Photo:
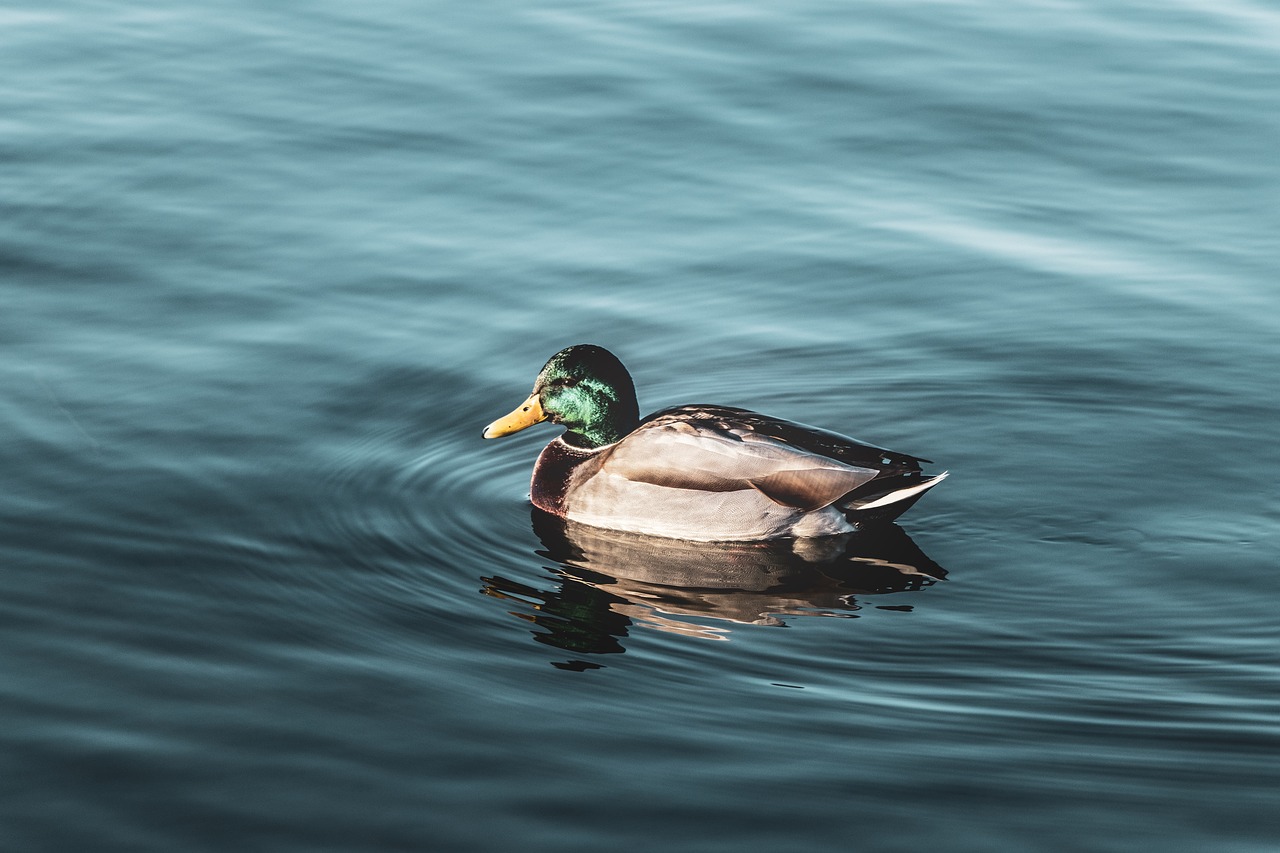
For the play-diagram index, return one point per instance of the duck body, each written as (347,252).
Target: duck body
(707,472)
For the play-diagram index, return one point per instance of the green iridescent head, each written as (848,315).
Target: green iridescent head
(585,389)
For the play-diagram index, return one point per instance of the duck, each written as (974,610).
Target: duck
(699,472)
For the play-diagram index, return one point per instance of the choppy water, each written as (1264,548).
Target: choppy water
(266,272)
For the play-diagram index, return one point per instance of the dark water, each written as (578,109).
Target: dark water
(265,274)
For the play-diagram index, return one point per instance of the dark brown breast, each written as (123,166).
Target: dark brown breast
(558,467)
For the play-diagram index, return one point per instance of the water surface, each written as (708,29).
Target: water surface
(266,274)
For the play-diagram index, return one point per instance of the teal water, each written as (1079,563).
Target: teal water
(266,273)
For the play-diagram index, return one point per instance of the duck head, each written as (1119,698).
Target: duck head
(585,389)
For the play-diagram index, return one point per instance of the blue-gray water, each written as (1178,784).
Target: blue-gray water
(267,272)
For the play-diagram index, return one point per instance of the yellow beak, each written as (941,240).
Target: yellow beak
(526,415)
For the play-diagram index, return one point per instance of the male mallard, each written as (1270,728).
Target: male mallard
(710,473)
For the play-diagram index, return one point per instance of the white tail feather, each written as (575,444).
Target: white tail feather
(903,494)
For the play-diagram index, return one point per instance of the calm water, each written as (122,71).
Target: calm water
(266,274)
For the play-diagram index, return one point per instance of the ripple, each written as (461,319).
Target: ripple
(381,528)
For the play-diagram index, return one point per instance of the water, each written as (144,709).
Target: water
(267,273)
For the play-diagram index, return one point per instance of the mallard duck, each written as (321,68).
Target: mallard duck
(699,472)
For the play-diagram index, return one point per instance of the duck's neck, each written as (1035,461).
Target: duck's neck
(602,432)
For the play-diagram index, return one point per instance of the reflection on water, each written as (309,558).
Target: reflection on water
(606,581)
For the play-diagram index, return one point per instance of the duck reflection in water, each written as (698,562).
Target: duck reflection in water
(609,580)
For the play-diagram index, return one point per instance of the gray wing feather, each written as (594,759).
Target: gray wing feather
(708,457)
